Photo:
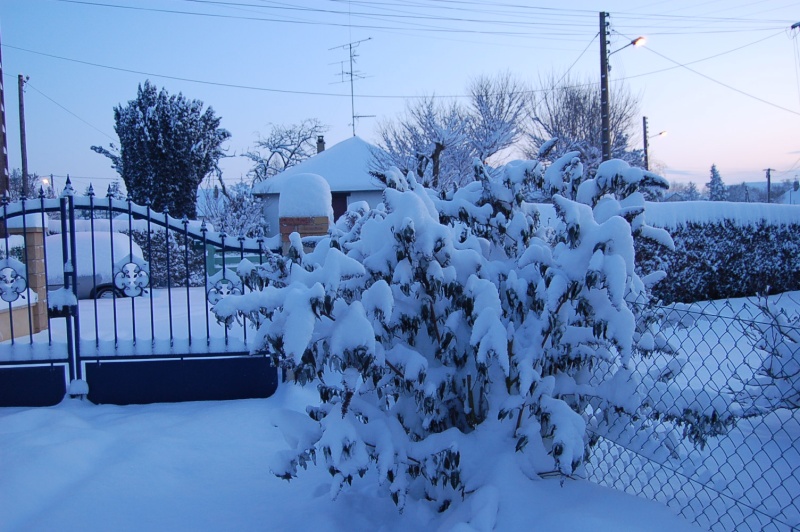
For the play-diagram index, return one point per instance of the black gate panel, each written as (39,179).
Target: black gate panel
(32,385)
(171,381)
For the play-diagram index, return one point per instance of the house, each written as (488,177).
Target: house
(345,166)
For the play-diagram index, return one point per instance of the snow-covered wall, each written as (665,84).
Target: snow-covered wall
(674,214)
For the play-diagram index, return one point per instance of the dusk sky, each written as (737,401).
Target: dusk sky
(721,76)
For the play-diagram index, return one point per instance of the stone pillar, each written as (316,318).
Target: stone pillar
(37,278)
(304,207)
(305,225)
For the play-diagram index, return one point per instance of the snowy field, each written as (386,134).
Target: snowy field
(205,466)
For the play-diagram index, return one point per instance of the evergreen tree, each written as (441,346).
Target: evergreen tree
(716,188)
(691,192)
(168,145)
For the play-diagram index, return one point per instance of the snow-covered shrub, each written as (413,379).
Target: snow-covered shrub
(429,322)
(776,384)
(724,259)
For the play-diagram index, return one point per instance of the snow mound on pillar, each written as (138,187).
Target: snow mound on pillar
(305,195)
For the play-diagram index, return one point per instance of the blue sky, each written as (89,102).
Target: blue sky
(259,62)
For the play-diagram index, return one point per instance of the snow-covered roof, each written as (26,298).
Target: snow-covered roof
(345,166)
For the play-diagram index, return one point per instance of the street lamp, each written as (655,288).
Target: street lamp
(604,68)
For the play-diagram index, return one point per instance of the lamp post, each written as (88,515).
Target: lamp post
(605,122)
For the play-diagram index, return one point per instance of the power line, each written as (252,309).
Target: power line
(178,78)
(743,93)
(28,84)
(307,22)
(685,65)
(726,52)
(415,16)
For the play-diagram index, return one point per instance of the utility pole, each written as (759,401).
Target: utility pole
(646,136)
(23,144)
(769,182)
(605,124)
(4,184)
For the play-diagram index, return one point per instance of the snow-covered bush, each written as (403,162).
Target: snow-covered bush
(776,384)
(724,259)
(430,322)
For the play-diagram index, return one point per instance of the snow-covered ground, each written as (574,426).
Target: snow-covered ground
(205,466)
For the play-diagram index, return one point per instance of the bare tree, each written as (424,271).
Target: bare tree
(34,186)
(498,112)
(569,110)
(237,212)
(438,139)
(284,147)
(429,140)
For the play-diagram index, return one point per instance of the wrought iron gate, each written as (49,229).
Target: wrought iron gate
(106,298)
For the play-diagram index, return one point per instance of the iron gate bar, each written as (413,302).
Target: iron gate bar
(150,258)
(185,222)
(113,292)
(204,230)
(69,193)
(130,256)
(222,236)
(241,258)
(44,254)
(8,254)
(169,277)
(94,266)
(65,259)
(27,267)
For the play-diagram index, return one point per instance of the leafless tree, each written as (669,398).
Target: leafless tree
(285,146)
(438,139)
(34,186)
(236,212)
(569,109)
(498,112)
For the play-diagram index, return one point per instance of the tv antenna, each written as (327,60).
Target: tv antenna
(352,75)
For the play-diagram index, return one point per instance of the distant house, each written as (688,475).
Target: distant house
(345,166)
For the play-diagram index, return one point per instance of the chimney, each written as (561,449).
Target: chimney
(320,143)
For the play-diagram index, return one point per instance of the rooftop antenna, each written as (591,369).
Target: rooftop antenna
(352,75)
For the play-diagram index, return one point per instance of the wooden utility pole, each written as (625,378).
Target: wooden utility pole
(769,182)
(605,122)
(22,142)
(646,136)
(4,181)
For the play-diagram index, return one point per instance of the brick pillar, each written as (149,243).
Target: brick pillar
(305,225)
(37,279)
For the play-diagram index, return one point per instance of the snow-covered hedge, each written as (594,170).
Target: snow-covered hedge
(724,250)
(433,326)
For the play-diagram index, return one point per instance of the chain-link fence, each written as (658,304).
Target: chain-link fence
(735,375)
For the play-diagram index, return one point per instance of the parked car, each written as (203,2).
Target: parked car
(102,285)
